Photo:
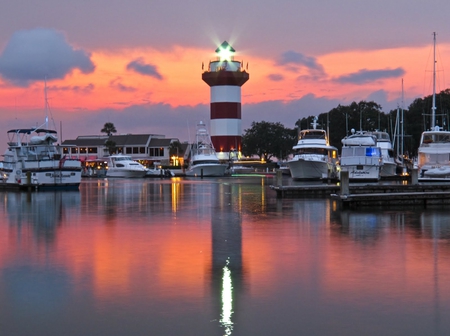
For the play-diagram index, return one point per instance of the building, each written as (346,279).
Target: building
(148,149)
(225,76)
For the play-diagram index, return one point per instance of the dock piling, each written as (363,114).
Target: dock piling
(345,187)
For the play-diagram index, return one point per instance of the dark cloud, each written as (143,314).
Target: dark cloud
(139,66)
(292,58)
(33,55)
(75,88)
(275,77)
(364,76)
(116,84)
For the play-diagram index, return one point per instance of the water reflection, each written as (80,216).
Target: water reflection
(217,257)
(227,268)
(42,212)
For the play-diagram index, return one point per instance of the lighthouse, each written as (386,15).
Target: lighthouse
(225,77)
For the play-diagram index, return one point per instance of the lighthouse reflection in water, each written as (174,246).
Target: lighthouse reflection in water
(226,226)
(217,257)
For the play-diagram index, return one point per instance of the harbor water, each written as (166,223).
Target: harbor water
(218,256)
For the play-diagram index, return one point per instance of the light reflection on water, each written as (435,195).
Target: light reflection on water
(217,257)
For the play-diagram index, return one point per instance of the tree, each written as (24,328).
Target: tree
(267,140)
(109,128)
(175,148)
(111,145)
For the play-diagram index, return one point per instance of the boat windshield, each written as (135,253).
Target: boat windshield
(123,158)
(312,134)
(197,162)
(436,137)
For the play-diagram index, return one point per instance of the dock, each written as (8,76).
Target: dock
(353,195)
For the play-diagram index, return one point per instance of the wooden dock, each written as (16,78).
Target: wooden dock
(358,194)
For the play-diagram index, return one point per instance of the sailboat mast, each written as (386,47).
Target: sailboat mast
(46,103)
(402,127)
(433,108)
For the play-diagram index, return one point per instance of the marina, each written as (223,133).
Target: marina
(141,256)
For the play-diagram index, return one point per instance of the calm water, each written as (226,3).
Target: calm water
(217,257)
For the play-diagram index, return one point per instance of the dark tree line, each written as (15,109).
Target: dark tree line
(268,140)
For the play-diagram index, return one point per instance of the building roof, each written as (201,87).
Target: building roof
(150,140)
(157,142)
(133,139)
(87,141)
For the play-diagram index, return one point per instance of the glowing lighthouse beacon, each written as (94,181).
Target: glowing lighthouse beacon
(225,76)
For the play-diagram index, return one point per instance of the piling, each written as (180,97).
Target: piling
(279,178)
(345,183)
(414,176)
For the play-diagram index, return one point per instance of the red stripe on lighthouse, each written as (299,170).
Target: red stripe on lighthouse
(225,110)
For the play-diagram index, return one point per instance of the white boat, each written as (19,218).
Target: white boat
(33,159)
(434,149)
(159,172)
(314,158)
(204,161)
(390,165)
(241,169)
(120,165)
(361,157)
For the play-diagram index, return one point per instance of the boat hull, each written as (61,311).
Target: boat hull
(207,170)
(302,169)
(388,169)
(125,173)
(362,172)
(48,174)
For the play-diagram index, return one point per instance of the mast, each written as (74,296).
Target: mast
(402,150)
(433,108)
(46,103)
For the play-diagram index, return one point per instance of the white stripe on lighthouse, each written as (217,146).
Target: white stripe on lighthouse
(226,127)
(225,93)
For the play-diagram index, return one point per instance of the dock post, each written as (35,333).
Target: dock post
(414,176)
(345,189)
(279,178)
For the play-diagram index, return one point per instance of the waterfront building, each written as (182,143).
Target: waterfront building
(147,149)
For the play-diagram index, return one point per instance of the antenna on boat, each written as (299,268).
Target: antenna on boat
(433,108)
(46,102)
(402,150)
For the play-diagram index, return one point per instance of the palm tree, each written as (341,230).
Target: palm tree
(109,128)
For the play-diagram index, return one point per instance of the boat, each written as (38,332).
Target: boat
(390,165)
(240,169)
(158,172)
(204,161)
(361,156)
(34,160)
(434,149)
(314,158)
(120,165)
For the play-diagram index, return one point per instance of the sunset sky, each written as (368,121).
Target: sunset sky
(138,63)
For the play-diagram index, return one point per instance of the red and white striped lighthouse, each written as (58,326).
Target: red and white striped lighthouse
(225,76)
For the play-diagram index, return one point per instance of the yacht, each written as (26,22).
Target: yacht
(434,149)
(313,158)
(361,157)
(33,159)
(433,155)
(204,161)
(120,165)
(389,168)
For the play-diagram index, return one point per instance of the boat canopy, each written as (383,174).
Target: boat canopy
(31,130)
